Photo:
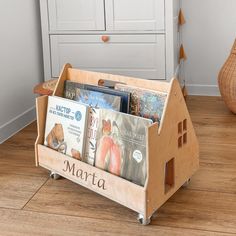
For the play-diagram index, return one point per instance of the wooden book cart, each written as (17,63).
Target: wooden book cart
(172,149)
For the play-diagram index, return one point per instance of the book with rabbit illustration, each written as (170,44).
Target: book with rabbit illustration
(66,124)
(121,145)
(70,88)
(145,103)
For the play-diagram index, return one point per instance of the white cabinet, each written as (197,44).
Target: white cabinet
(132,55)
(76,15)
(129,37)
(134,15)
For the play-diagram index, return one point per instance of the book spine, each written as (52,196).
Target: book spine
(85,132)
(92,125)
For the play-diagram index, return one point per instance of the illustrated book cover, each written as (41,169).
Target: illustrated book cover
(70,89)
(66,126)
(98,99)
(121,145)
(70,93)
(145,103)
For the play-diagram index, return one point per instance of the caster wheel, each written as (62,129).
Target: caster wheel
(54,175)
(186,184)
(144,221)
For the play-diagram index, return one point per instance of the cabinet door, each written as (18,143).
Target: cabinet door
(141,56)
(76,15)
(135,15)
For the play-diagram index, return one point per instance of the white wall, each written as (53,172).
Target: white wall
(21,65)
(208,37)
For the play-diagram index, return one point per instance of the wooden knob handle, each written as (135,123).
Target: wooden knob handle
(105,38)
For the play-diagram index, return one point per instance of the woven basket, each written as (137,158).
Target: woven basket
(227,80)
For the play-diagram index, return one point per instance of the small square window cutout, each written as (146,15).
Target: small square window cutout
(180,128)
(180,142)
(185,138)
(185,125)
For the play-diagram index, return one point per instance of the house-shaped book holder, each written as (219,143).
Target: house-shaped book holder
(172,149)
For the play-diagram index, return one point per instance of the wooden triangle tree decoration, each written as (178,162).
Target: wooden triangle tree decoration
(182,20)
(182,54)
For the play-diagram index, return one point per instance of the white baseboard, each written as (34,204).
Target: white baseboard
(16,124)
(203,90)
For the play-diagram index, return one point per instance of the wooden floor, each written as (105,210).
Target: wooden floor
(33,204)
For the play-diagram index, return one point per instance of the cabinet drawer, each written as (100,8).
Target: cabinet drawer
(75,15)
(132,55)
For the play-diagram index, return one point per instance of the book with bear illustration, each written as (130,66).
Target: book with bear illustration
(144,102)
(66,125)
(121,145)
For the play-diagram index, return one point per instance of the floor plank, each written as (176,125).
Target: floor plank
(212,106)
(218,154)
(17,154)
(179,210)
(19,178)
(21,223)
(199,210)
(215,177)
(216,135)
(16,190)
(67,198)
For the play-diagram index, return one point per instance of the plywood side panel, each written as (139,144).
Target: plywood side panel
(41,109)
(164,146)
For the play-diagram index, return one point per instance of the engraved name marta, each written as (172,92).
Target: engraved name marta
(84,175)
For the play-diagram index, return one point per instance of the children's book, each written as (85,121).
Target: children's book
(66,126)
(121,145)
(145,103)
(98,99)
(125,96)
(70,93)
(70,89)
